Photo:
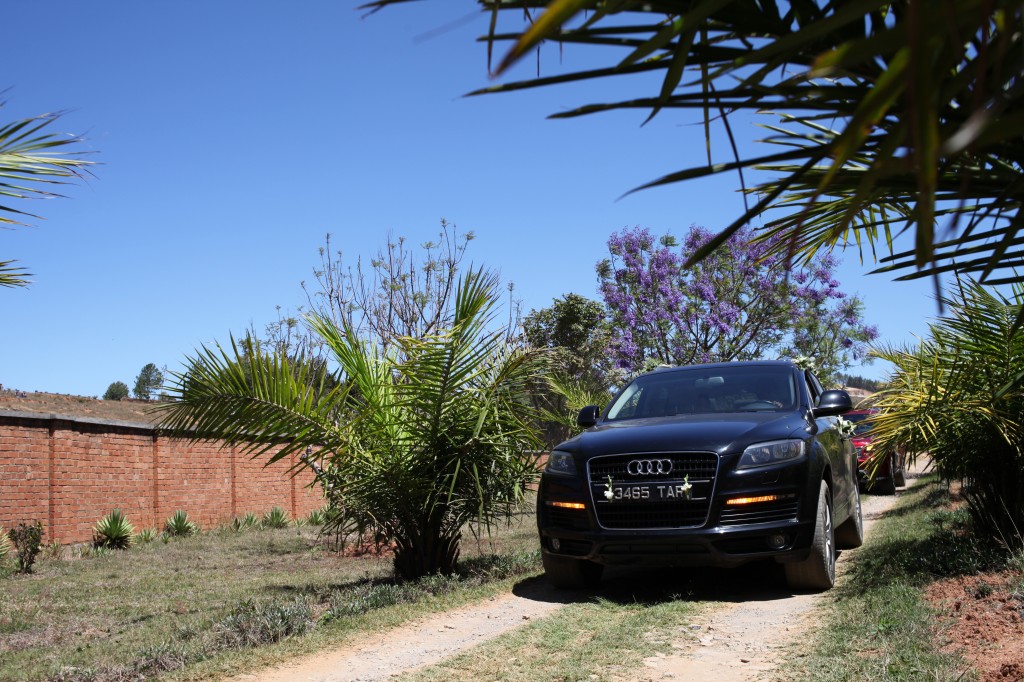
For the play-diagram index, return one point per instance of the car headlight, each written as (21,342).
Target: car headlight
(774,452)
(561,463)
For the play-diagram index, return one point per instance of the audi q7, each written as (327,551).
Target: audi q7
(712,465)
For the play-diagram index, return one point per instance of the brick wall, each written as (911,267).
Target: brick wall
(69,472)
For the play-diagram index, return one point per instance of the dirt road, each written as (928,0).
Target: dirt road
(739,641)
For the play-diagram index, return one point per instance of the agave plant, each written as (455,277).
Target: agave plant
(316,517)
(146,536)
(275,518)
(244,522)
(180,526)
(5,544)
(113,531)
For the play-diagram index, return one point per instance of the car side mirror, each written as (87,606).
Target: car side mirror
(588,416)
(832,403)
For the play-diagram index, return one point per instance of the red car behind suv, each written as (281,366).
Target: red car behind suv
(888,468)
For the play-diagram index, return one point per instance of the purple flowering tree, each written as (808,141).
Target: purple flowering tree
(828,324)
(739,303)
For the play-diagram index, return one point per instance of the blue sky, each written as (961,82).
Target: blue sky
(233,136)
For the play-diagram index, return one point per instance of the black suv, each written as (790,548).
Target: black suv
(706,465)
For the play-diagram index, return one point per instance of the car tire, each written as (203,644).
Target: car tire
(818,571)
(572,574)
(899,476)
(850,535)
(886,486)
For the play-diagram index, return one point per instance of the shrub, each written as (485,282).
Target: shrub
(5,544)
(116,391)
(370,597)
(113,531)
(145,536)
(240,523)
(180,526)
(253,624)
(276,518)
(95,552)
(958,395)
(316,517)
(28,540)
(54,550)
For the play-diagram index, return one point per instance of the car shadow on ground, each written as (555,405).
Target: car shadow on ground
(753,582)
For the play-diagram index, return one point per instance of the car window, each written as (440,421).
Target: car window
(861,420)
(702,391)
(814,388)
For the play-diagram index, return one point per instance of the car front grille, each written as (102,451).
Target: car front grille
(699,469)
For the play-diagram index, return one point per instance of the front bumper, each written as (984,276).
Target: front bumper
(775,520)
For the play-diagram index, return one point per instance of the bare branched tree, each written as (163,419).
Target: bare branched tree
(400,292)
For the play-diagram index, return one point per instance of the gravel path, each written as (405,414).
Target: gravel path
(417,644)
(739,641)
(743,640)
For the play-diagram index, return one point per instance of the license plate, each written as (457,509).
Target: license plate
(651,492)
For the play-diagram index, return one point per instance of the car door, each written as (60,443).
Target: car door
(841,455)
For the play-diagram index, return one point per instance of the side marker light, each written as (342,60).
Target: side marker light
(566,505)
(752,500)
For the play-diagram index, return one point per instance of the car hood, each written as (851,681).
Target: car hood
(721,433)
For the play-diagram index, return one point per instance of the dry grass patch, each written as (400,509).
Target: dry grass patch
(196,607)
(600,639)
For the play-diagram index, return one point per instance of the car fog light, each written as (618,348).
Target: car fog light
(777,541)
(556,544)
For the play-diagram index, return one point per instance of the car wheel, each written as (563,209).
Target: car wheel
(818,571)
(571,574)
(886,486)
(899,476)
(851,533)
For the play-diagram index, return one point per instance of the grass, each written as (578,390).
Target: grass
(876,625)
(230,602)
(139,411)
(224,601)
(597,639)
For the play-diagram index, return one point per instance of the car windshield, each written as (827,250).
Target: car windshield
(862,423)
(742,388)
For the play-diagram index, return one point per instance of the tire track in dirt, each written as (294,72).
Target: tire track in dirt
(740,640)
(414,645)
(744,640)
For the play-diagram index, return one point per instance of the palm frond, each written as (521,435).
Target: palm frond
(263,404)
(926,99)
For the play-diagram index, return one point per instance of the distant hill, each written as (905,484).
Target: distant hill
(858,394)
(78,406)
(134,410)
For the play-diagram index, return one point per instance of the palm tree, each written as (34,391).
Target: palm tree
(31,167)
(893,114)
(956,396)
(420,439)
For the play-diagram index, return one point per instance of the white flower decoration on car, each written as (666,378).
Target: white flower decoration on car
(609,494)
(687,487)
(806,362)
(845,427)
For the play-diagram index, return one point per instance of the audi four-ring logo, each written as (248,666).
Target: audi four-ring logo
(649,467)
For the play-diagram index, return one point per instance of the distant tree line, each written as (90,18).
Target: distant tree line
(864,383)
(149,380)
